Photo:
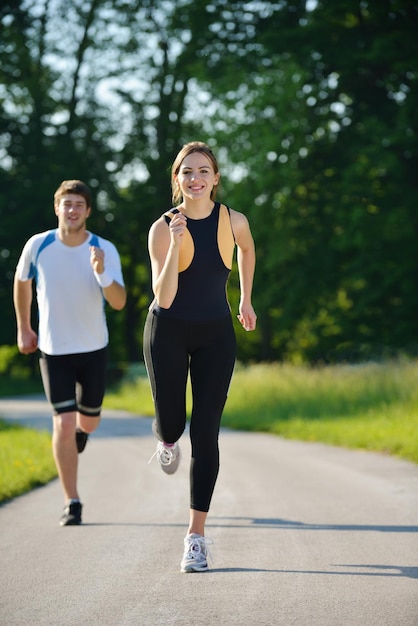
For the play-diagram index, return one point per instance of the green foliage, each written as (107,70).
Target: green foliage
(8,354)
(15,368)
(328,157)
(25,460)
(311,108)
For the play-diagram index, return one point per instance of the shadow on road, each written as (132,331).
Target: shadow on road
(397,571)
(293,525)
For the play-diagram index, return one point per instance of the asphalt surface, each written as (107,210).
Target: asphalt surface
(304,534)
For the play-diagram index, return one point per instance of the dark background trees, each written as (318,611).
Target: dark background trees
(312,110)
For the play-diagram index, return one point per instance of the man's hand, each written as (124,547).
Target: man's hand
(27,341)
(97,259)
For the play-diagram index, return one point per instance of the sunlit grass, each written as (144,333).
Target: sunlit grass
(25,460)
(373,406)
(133,396)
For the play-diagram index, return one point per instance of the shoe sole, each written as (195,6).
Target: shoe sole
(193,569)
(70,523)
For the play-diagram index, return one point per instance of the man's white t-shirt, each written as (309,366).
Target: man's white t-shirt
(70,301)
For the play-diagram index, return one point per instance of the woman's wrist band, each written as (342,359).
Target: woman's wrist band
(103,279)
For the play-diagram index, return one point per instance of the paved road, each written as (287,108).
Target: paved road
(304,535)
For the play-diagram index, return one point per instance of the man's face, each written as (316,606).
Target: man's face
(72,212)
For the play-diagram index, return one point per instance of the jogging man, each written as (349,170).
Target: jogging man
(75,273)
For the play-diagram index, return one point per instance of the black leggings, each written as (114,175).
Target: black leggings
(208,349)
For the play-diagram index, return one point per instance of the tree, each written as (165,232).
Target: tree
(328,161)
(41,142)
(311,108)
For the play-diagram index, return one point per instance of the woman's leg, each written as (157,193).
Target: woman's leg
(197,521)
(167,363)
(211,368)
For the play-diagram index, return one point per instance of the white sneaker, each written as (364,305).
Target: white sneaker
(168,456)
(195,554)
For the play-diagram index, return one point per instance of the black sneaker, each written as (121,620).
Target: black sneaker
(81,440)
(72,514)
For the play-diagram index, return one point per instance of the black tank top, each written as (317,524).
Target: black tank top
(201,293)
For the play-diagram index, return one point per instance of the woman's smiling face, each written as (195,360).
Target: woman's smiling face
(196,176)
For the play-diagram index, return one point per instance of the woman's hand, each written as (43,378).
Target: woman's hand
(247,317)
(177,228)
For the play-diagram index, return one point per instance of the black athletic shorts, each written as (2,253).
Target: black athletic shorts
(75,382)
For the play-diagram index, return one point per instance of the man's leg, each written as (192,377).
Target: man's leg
(90,389)
(65,453)
(65,450)
(66,460)
(85,426)
(58,377)
(61,376)
(87,423)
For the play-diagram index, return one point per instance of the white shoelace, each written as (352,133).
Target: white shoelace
(197,547)
(165,455)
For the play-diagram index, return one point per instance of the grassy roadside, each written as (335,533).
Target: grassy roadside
(371,406)
(25,460)
(25,454)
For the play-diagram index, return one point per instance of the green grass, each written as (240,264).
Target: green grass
(25,460)
(371,406)
(133,395)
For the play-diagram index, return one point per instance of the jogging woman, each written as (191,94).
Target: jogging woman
(189,326)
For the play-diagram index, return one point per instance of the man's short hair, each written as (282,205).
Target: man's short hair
(73,186)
